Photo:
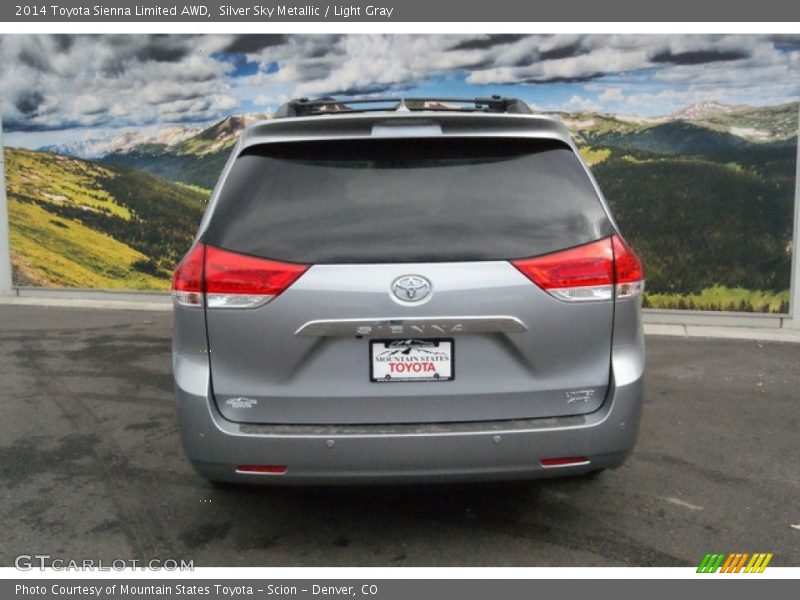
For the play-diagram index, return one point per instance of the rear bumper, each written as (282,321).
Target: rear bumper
(500,450)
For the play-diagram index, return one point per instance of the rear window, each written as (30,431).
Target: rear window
(409,200)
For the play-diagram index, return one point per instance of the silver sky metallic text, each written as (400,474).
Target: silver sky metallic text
(260,11)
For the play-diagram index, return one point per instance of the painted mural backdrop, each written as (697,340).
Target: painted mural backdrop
(112,143)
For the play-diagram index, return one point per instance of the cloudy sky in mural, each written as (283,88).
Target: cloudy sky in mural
(64,87)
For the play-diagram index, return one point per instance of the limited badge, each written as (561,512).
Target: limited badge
(241,402)
(579,396)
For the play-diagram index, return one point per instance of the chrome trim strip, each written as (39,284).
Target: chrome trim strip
(417,326)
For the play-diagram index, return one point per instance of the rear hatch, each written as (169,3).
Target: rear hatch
(390,252)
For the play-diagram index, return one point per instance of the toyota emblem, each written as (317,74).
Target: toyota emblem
(411,288)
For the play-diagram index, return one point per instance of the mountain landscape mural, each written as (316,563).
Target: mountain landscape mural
(694,148)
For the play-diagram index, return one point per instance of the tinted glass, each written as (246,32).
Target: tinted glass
(409,200)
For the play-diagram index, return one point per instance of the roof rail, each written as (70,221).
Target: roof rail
(304,107)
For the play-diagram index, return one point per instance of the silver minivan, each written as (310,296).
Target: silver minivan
(397,290)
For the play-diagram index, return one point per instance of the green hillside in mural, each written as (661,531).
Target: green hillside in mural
(80,224)
(706,199)
(705,196)
(699,225)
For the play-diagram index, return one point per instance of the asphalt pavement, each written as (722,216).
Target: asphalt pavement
(91,467)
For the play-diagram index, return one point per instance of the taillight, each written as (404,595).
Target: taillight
(628,270)
(187,282)
(239,281)
(588,272)
(231,280)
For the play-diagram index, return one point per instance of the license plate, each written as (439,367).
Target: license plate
(411,360)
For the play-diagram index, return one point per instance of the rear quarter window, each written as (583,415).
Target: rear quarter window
(406,200)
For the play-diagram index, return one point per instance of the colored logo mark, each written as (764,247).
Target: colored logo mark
(739,562)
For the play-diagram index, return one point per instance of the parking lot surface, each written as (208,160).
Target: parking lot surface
(91,467)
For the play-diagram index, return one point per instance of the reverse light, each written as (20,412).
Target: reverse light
(594,271)
(230,280)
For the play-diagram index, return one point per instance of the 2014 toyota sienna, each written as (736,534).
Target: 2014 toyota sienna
(394,290)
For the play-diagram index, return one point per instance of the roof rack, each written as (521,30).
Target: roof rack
(304,107)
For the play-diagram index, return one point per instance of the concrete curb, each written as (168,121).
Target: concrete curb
(145,304)
(717,318)
(760,334)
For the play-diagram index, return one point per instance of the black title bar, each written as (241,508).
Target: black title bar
(255,11)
